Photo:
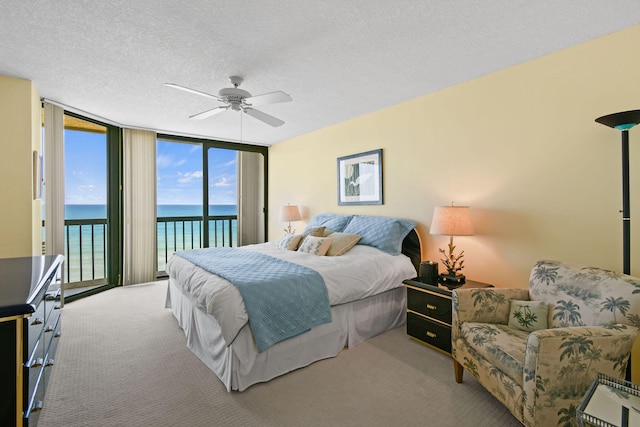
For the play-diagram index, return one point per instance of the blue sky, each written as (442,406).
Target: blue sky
(179,172)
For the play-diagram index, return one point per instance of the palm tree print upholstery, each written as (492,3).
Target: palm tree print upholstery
(593,319)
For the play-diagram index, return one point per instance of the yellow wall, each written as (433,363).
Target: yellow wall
(20,214)
(519,146)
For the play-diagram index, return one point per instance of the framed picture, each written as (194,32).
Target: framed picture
(360,179)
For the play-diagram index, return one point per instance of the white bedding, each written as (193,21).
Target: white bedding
(362,272)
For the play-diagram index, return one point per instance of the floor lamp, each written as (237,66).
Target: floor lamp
(624,121)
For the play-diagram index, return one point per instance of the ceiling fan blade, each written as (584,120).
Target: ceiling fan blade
(197,92)
(208,113)
(268,98)
(263,117)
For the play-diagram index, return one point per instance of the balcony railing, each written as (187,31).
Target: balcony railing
(186,232)
(85,251)
(86,240)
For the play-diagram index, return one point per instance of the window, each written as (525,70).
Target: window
(192,174)
(85,158)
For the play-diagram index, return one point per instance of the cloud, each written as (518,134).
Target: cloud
(222,182)
(185,178)
(163,161)
(88,187)
(166,161)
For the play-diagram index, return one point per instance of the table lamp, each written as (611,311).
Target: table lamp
(288,214)
(452,221)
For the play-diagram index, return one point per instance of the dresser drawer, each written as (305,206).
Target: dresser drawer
(34,364)
(35,397)
(430,332)
(430,304)
(39,374)
(51,303)
(35,324)
(52,338)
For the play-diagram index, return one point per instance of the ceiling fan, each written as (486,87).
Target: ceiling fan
(239,100)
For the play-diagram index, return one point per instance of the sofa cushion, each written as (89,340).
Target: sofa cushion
(503,345)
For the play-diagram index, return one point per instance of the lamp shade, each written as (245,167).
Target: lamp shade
(452,221)
(621,121)
(290,213)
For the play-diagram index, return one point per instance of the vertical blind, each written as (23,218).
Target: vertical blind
(54,179)
(139,205)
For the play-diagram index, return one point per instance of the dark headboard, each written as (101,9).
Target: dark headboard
(411,248)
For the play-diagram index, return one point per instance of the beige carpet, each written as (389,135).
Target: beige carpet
(122,361)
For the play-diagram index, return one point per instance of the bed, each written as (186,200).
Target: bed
(363,287)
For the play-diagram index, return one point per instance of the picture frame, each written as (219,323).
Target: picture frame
(360,178)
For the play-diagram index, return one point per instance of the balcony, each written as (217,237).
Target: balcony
(86,240)
(186,232)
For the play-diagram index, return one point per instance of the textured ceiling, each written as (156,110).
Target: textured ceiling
(338,59)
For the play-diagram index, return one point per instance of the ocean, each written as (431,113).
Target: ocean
(100,211)
(86,244)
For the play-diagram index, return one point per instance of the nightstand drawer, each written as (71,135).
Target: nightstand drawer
(429,332)
(430,304)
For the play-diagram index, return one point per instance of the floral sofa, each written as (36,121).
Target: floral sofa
(537,350)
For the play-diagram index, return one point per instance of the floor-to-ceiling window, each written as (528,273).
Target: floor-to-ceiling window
(179,198)
(85,178)
(197,194)
(91,255)
(199,186)
(222,197)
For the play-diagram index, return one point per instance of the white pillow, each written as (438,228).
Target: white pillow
(290,242)
(315,245)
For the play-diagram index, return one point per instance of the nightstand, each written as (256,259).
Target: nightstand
(429,312)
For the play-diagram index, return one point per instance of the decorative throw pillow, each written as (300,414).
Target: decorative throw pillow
(315,231)
(290,242)
(528,315)
(342,243)
(315,245)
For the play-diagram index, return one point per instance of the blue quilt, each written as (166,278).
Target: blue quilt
(282,299)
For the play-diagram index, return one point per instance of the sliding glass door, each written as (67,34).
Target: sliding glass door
(221,196)
(179,198)
(198,200)
(92,219)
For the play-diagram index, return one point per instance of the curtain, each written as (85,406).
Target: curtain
(54,179)
(54,184)
(139,206)
(250,198)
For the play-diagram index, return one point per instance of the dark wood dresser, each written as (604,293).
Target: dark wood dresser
(30,290)
(429,312)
